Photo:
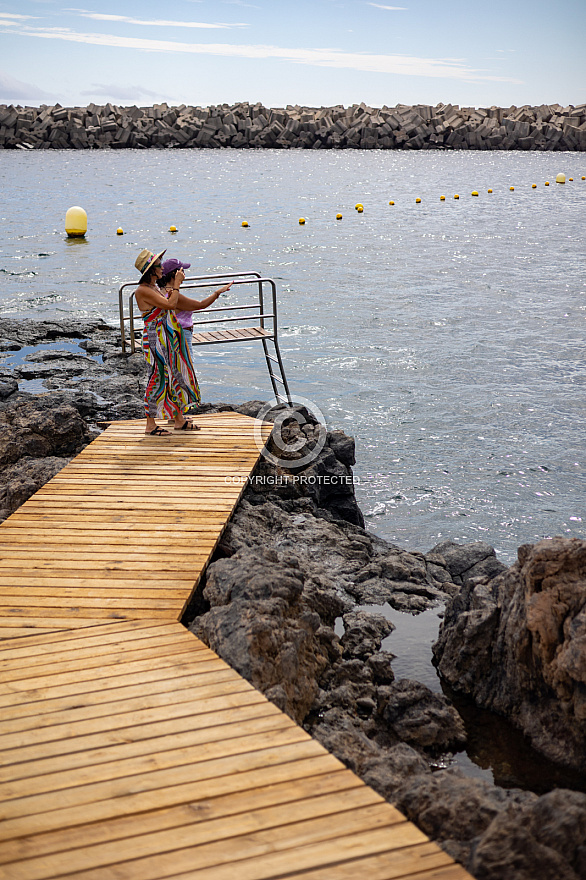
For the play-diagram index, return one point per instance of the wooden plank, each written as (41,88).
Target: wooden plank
(102,646)
(424,861)
(117,633)
(308,843)
(40,556)
(26,621)
(149,775)
(65,709)
(39,527)
(256,824)
(35,744)
(168,757)
(91,759)
(86,681)
(103,660)
(37,569)
(220,807)
(7,632)
(189,789)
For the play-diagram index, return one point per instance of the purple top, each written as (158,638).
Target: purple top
(184,319)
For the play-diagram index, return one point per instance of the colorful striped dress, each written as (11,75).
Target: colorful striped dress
(172,384)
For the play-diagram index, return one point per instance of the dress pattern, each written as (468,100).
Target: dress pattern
(172,384)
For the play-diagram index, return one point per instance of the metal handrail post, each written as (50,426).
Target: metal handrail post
(121,314)
(131,315)
(276,342)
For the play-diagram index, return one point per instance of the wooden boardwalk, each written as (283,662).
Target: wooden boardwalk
(128,749)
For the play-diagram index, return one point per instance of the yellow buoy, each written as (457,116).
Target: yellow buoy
(512,188)
(417,201)
(490,190)
(442,198)
(338,216)
(547,182)
(456,196)
(560,178)
(358,206)
(360,209)
(533,186)
(119,231)
(571,179)
(244,223)
(474,193)
(301,221)
(584,178)
(172,229)
(392,203)
(76,222)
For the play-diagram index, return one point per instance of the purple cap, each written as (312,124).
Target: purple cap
(172,264)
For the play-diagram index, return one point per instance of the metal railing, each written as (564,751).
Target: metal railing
(264,320)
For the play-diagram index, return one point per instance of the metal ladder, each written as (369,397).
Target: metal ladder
(264,326)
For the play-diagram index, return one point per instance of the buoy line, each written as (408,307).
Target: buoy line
(76,217)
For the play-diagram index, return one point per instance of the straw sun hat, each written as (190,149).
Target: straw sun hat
(145,261)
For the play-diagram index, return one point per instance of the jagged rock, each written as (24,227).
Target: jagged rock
(517,646)
(546,839)
(394,769)
(259,623)
(420,717)
(448,806)
(18,482)
(363,633)
(38,436)
(465,561)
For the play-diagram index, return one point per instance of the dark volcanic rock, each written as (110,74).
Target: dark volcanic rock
(259,623)
(21,480)
(420,717)
(517,645)
(111,388)
(38,437)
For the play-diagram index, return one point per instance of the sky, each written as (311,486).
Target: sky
(310,52)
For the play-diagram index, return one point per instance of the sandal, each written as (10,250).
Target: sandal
(188,426)
(158,432)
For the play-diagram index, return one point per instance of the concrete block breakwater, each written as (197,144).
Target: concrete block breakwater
(419,127)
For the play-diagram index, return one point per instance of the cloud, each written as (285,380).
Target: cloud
(15,90)
(126,19)
(404,65)
(11,18)
(389,8)
(122,93)
(15,15)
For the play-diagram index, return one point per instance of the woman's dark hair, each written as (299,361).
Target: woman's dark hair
(163,282)
(146,278)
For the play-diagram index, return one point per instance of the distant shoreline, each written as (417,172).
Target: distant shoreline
(541,128)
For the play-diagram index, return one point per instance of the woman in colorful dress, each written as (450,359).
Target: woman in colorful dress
(184,314)
(172,386)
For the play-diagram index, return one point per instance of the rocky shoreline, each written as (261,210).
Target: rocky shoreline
(244,125)
(295,566)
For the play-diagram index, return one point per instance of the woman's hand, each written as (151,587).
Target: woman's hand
(223,289)
(179,278)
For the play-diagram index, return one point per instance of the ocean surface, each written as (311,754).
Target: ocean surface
(446,336)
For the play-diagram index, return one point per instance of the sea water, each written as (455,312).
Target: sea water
(446,336)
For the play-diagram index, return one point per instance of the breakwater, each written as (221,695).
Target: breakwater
(245,125)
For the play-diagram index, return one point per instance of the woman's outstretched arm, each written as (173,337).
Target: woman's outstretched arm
(186,304)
